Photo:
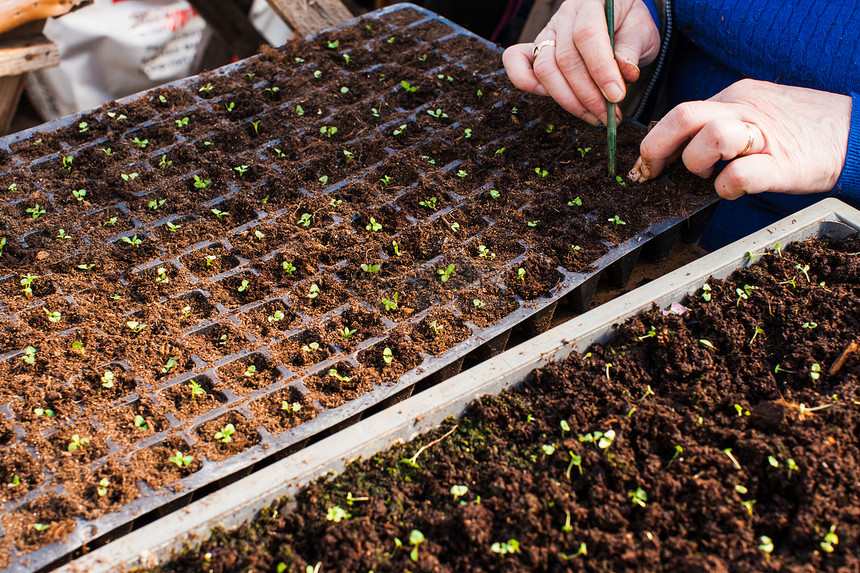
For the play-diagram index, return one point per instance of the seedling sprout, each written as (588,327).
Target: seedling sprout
(416,538)
(108,379)
(766,546)
(508,547)
(459,491)
(445,274)
(102,487)
(390,305)
(387,356)
(225,434)
(181,460)
(337,514)
(575,460)
(638,497)
(313,291)
(78,443)
(373,225)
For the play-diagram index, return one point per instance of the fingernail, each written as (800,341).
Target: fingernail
(613,92)
(639,173)
(602,119)
(590,118)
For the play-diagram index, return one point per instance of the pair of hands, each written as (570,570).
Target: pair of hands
(778,138)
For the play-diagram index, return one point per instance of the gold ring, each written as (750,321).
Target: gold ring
(538,47)
(749,142)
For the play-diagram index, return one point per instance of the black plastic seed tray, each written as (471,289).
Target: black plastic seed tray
(147,386)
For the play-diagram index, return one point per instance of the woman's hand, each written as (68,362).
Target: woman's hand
(778,138)
(580,70)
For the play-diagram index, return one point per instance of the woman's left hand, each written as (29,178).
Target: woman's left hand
(775,137)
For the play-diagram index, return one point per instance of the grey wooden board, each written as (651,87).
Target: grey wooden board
(242,500)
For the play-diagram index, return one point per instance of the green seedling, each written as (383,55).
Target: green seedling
(79,194)
(385,180)
(638,497)
(706,292)
(47,412)
(186,311)
(244,286)
(428,159)
(478,303)
(197,390)
(792,466)
(181,460)
(467,132)
(744,293)
(829,542)
(161,276)
(305,220)
(140,423)
(601,439)
(485,253)
(292,407)
(276,316)
(323,179)
(337,514)
(391,305)
(230,106)
(134,241)
(29,356)
(344,90)
(550,128)
(651,334)
(508,547)
(445,274)
(429,203)
(462,174)
(68,160)
(219,214)
(459,491)
(312,347)
(110,222)
(256,125)
(52,316)
(805,270)
(27,284)
(455,226)
(141,143)
(576,202)
(408,87)
(62,235)
(494,194)
(201,183)
(815,372)
(35,211)
(809,325)
(135,326)
(583,151)
(521,274)
(168,366)
(347,332)
(288,267)
(172,227)
(313,291)
(108,379)
(373,225)
(78,443)
(300,111)
(16,481)
(78,348)
(3,245)
(210,259)
(225,434)
(436,327)
(439,114)
(241,169)
(616,220)
(102,487)
(777,369)
(758,330)
(766,546)
(273,91)
(734,460)
(370,269)
(533,224)
(400,129)
(620,181)
(41,526)
(180,123)
(328,131)
(334,374)
(317,74)
(250,371)
(394,246)
(387,356)
(541,172)
(575,460)
(416,538)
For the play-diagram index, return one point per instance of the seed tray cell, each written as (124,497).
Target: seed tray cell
(188,235)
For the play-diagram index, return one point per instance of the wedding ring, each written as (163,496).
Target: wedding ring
(538,47)
(749,145)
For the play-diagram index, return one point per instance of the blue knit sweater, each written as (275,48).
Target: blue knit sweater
(814,44)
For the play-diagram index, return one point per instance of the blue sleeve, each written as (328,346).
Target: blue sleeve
(811,44)
(849,182)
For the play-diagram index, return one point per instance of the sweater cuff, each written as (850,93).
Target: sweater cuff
(849,180)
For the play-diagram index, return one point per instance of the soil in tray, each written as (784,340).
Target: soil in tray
(180,239)
(717,436)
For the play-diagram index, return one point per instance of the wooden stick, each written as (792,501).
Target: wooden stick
(610,107)
(840,362)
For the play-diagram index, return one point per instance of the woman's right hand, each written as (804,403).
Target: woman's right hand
(580,70)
